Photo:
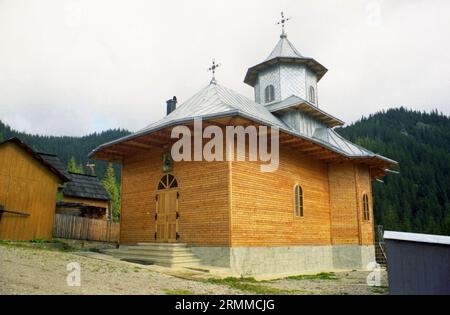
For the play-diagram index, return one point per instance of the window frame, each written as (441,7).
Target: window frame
(312,94)
(366,207)
(298,201)
(269,94)
(168,181)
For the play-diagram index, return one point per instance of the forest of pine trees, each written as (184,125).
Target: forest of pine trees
(416,200)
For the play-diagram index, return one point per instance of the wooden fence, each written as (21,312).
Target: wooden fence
(79,228)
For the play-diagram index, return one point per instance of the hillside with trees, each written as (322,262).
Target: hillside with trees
(72,151)
(417,199)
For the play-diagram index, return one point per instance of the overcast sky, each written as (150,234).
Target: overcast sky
(72,67)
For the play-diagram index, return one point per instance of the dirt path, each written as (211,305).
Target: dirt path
(38,271)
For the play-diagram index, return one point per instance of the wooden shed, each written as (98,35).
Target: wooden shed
(28,189)
(85,196)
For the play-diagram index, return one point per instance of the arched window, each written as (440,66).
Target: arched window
(167,181)
(269,94)
(312,95)
(366,207)
(298,201)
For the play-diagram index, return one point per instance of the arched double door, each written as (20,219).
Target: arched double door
(167,210)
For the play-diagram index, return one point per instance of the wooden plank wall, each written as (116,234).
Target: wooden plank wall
(345,202)
(203,204)
(79,228)
(263,203)
(26,186)
(365,187)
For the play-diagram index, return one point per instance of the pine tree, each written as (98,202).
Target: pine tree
(1,137)
(73,167)
(112,187)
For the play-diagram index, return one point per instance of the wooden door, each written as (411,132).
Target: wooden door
(166,217)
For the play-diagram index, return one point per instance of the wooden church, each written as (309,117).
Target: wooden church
(313,213)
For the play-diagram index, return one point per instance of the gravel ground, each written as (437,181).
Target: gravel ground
(25,270)
(37,271)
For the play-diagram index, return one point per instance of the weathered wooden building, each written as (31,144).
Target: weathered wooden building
(28,189)
(313,213)
(83,195)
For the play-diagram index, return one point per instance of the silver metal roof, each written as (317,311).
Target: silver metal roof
(417,237)
(294,100)
(284,48)
(216,101)
(284,52)
(331,137)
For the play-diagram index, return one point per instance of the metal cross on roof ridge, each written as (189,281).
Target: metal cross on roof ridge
(213,68)
(282,22)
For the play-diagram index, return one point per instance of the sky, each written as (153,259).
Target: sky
(73,67)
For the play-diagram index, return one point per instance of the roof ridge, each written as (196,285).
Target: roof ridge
(75,173)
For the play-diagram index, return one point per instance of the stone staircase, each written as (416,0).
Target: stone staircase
(162,254)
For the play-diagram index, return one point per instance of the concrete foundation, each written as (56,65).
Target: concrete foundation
(286,260)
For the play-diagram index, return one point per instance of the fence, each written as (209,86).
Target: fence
(79,228)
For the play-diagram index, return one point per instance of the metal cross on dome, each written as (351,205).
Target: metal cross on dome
(282,22)
(213,69)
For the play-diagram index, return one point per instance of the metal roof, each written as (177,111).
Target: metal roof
(417,237)
(216,101)
(284,52)
(85,186)
(305,106)
(331,137)
(284,48)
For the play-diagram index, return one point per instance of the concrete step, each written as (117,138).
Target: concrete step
(161,245)
(156,250)
(143,253)
(168,255)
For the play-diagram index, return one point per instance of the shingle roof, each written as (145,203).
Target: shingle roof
(85,186)
(56,162)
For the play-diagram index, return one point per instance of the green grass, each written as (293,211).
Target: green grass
(38,245)
(250,285)
(319,276)
(380,290)
(178,292)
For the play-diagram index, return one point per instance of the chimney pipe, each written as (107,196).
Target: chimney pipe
(171,105)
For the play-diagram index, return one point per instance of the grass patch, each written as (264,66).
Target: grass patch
(178,292)
(380,290)
(319,276)
(249,285)
(38,245)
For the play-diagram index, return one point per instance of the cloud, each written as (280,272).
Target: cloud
(75,66)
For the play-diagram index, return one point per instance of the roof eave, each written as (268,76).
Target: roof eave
(318,68)
(243,115)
